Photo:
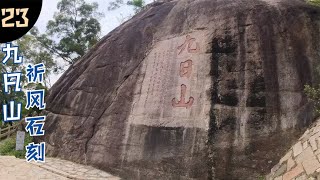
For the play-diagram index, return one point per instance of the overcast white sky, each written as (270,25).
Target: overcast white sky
(111,19)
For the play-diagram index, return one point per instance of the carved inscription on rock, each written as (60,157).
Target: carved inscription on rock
(186,70)
(191,45)
(175,78)
(182,102)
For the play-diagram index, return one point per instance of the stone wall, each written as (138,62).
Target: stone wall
(301,162)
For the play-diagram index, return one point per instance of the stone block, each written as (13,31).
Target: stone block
(313,143)
(278,178)
(301,177)
(286,157)
(295,172)
(297,149)
(290,164)
(281,170)
(305,145)
(308,160)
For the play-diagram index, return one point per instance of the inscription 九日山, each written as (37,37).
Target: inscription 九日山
(186,71)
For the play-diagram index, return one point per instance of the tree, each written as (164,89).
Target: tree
(73,30)
(313,93)
(5,98)
(32,53)
(136,4)
(10,67)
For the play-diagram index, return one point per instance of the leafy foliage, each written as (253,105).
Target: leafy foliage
(10,67)
(314,2)
(8,147)
(73,30)
(32,53)
(136,4)
(313,94)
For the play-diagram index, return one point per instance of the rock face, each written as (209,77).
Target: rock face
(190,89)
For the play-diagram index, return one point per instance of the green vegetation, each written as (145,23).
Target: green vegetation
(9,68)
(8,147)
(34,52)
(136,4)
(314,2)
(26,50)
(261,178)
(73,30)
(313,94)
(5,125)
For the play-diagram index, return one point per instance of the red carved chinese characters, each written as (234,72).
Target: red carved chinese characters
(192,47)
(185,71)
(182,102)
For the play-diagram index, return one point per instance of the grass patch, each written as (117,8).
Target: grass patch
(8,147)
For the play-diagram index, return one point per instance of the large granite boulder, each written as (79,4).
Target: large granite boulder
(190,89)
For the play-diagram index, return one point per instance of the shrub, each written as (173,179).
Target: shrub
(8,147)
(313,94)
(314,2)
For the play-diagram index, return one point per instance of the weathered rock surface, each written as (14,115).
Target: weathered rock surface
(190,89)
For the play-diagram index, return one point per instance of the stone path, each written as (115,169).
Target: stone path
(302,160)
(19,169)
